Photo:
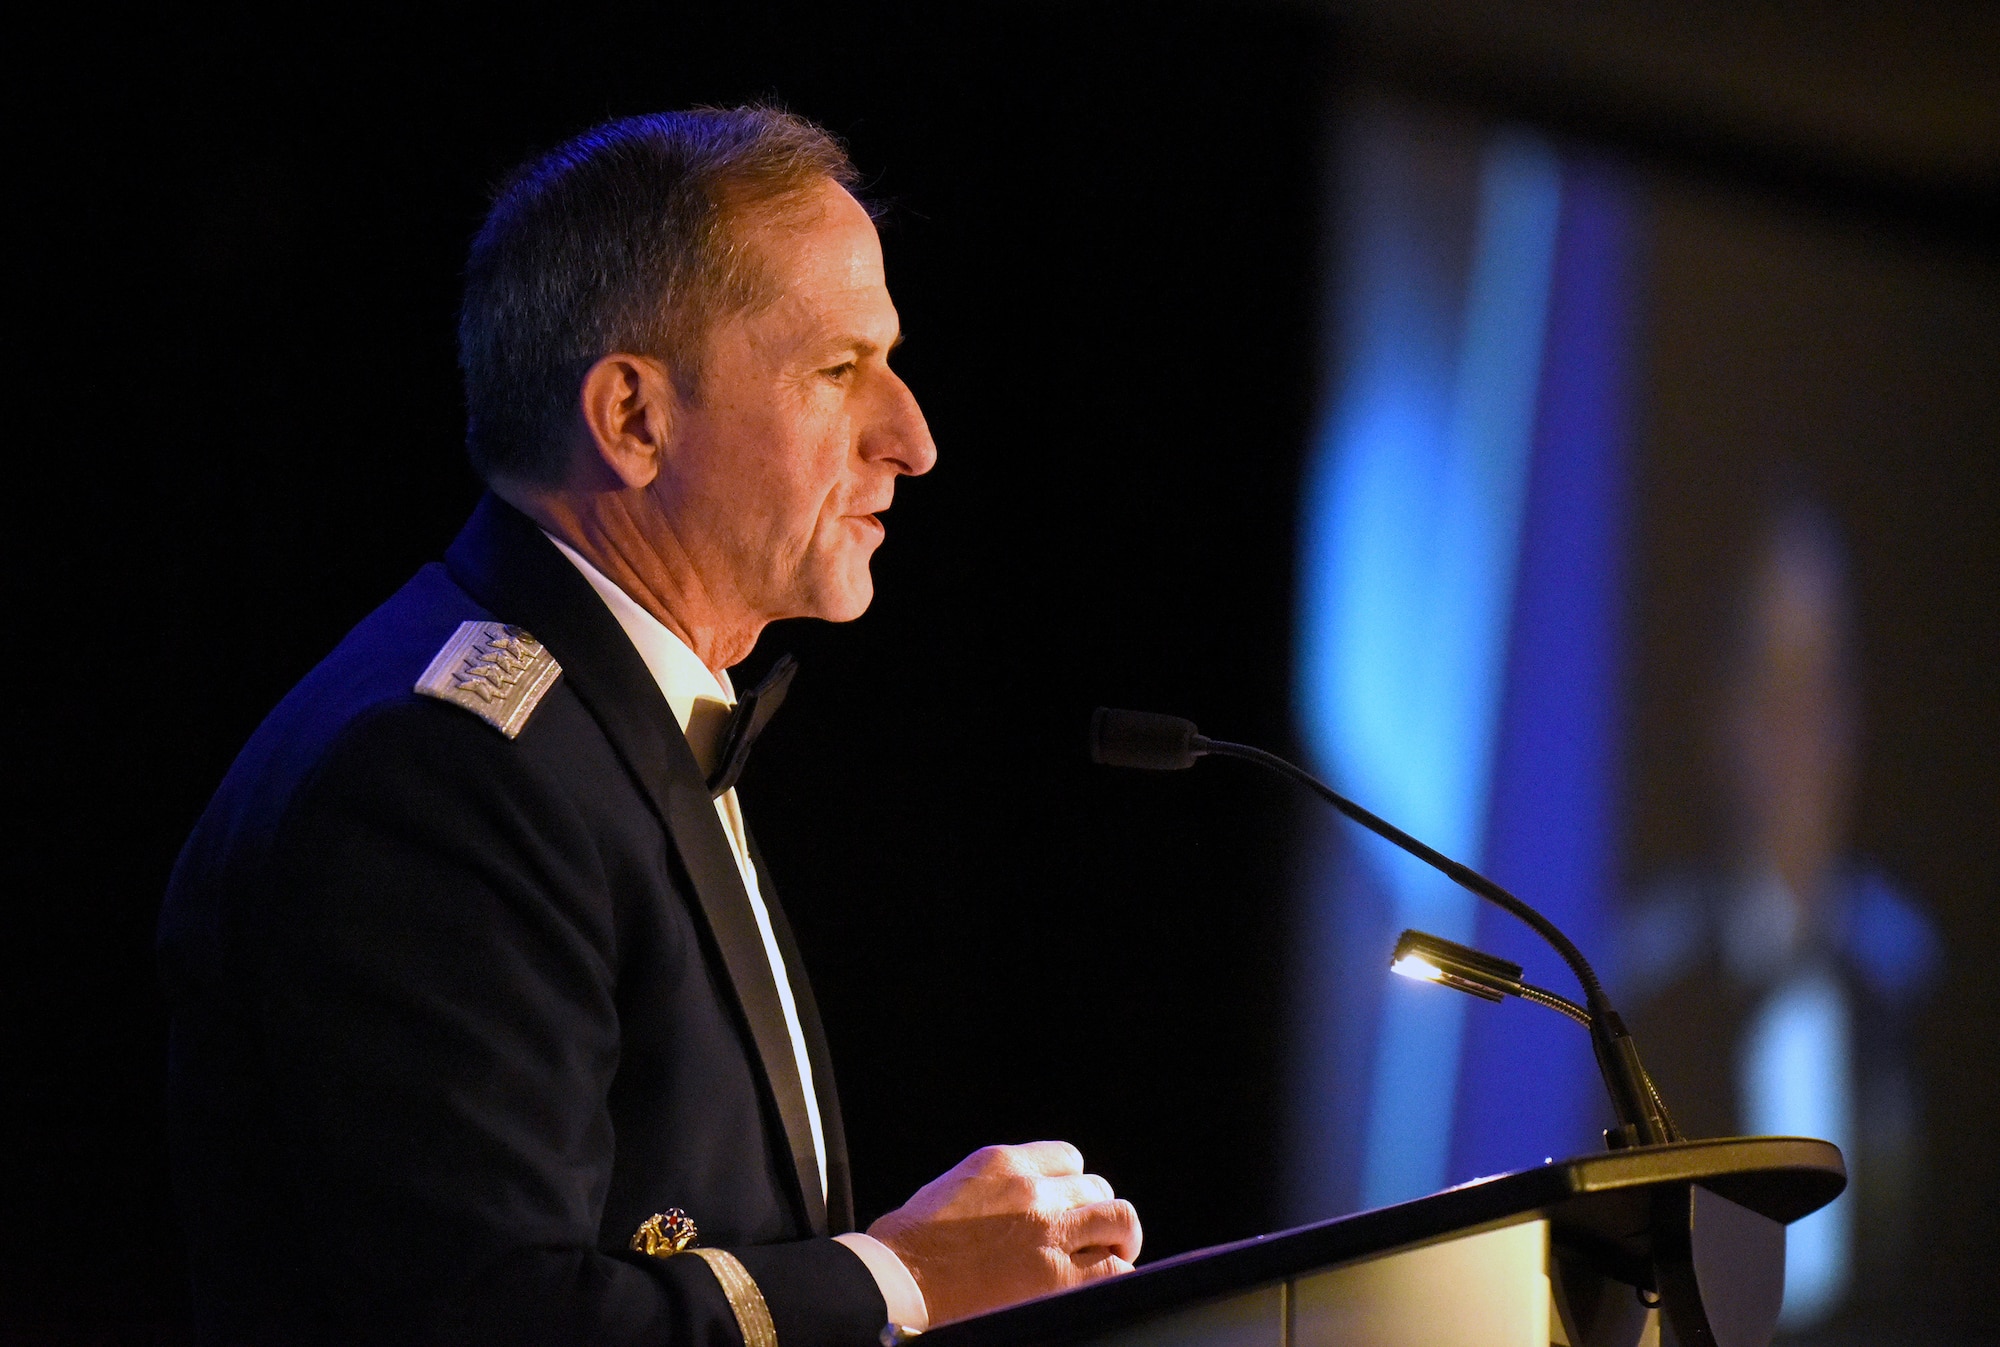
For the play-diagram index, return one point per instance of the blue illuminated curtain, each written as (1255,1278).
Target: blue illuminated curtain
(1457,643)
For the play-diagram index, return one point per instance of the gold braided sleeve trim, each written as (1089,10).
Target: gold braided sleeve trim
(753,1316)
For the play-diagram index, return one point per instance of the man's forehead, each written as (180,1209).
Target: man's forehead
(814,326)
(825,270)
(823,224)
(837,260)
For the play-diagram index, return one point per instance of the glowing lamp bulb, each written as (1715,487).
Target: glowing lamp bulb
(1428,958)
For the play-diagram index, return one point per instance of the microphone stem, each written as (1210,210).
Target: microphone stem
(1463,875)
(1632,1092)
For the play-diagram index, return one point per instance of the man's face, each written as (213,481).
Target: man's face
(776,473)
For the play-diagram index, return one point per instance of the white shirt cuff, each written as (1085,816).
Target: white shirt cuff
(900,1291)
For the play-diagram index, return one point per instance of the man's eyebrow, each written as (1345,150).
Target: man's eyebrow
(863,347)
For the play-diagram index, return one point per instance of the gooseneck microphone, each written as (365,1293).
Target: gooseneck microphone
(1153,742)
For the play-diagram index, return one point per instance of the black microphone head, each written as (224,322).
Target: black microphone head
(1142,739)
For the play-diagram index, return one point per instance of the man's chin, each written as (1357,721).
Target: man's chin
(853,606)
(845,599)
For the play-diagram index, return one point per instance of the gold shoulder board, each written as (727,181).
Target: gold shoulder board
(497,672)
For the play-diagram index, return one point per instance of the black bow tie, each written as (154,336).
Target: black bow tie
(752,713)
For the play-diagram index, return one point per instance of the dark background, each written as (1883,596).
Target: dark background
(238,428)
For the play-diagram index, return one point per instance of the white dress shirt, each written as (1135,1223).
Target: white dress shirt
(700,701)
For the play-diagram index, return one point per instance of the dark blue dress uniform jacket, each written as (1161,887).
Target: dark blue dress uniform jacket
(453,1013)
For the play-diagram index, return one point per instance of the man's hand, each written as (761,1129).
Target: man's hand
(1009,1223)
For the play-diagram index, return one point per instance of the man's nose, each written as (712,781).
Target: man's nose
(899,435)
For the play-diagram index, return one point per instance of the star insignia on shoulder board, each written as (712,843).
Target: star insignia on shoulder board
(496,671)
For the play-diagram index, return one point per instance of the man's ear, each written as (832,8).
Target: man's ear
(628,406)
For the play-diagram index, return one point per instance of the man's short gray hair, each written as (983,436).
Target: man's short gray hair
(625,238)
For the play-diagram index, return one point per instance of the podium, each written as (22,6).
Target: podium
(1589,1252)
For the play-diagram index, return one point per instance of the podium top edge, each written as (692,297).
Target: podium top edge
(1783,1178)
(1794,1176)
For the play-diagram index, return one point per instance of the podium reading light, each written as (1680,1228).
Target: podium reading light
(1430,958)
(1160,743)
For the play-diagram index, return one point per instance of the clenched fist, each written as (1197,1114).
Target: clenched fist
(1009,1223)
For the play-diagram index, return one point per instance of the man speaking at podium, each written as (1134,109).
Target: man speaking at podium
(488,1026)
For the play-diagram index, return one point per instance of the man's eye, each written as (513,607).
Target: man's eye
(839,373)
